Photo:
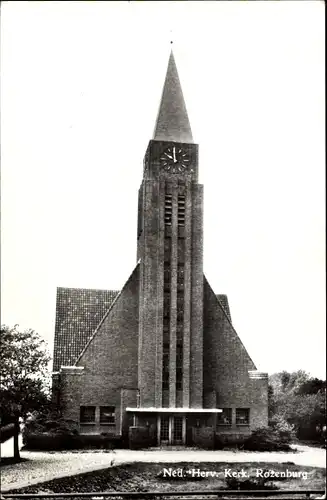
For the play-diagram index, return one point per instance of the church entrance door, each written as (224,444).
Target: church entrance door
(178,424)
(164,429)
(171,430)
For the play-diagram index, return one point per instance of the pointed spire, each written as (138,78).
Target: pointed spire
(172,121)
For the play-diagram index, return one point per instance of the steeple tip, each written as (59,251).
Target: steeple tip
(172,121)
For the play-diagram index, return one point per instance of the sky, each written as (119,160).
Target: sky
(81,84)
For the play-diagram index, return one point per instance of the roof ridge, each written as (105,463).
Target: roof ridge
(86,289)
(230,322)
(106,314)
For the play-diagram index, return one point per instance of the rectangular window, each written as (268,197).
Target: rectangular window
(225,417)
(107,415)
(180,277)
(166,306)
(179,379)
(181,210)
(165,367)
(180,273)
(165,380)
(181,250)
(179,365)
(165,336)
(180,316)
(179,335)
(167,249)
(242,416)
(87,414)
(167,276)
(180,301)
(168,209)
(166,325)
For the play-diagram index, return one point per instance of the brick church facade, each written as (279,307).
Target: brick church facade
(159,362)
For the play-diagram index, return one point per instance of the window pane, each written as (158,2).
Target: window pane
(107,414)
(87,414)
(225,417)
(242,416)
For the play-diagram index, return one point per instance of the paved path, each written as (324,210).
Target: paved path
(42,466)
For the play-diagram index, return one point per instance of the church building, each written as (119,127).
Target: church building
(159,361)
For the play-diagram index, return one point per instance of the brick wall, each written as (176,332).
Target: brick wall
(227,365)
(151,297)
(196,340)
(203,437)
(109,361)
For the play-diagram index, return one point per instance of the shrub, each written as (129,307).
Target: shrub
(49,431)
(250,483)
(283,427)
(98,441)
(47,441)
(267,439)
(42,432)
(219,443)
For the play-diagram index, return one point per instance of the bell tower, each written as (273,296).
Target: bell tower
(170,252)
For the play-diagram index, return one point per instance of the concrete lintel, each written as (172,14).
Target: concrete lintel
(175,410)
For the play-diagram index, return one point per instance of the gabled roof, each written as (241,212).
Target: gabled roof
(172,121)
(78,313)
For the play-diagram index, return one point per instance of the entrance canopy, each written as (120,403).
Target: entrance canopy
(175,410)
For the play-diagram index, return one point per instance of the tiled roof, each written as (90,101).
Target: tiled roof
(224,302)
(78,313)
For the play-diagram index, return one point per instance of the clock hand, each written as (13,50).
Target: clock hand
(174,153)
(168,156)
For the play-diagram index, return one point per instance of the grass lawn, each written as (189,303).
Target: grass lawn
(167,477)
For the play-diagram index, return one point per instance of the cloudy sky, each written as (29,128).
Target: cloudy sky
(81,83)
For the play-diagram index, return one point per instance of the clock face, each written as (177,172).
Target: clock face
(174,159)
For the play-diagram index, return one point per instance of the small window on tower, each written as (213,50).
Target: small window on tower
(181,210)
(165,381)
(168,209)
(180,277)
(166,306)
(167,276)
(167,249)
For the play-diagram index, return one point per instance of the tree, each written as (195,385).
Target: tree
(23,376)
(312,386)
(299,400)
(285,382)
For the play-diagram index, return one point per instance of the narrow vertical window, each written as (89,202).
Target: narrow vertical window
(181,210)
(168,209)
(165,367)
(242,416)
(167,276)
